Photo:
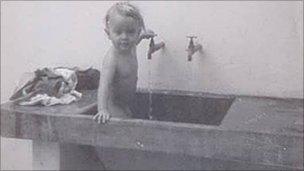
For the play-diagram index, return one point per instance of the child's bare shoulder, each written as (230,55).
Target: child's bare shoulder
(109,61)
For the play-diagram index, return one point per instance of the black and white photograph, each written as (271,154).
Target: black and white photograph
(151,85)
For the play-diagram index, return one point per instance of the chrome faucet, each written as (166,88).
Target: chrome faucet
(193,48)
(154,47)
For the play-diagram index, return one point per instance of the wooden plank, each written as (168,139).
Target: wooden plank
(190,139)
(89,99)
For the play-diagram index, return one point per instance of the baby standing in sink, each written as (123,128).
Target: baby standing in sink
(125,28)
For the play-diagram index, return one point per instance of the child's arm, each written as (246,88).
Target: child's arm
(106,77)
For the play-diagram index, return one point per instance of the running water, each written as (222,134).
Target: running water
(150,92)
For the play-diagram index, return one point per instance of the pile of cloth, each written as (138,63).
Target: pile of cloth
(51,86)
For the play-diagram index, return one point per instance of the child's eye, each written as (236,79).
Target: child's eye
(131,31)
(118,32)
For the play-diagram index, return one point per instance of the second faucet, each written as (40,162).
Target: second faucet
(193,48)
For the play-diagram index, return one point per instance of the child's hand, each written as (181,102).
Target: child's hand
(103,116)
(148,34)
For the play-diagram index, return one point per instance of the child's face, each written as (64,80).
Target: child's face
(123,31)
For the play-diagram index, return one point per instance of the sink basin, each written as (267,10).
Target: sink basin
(179,106)
(182,106)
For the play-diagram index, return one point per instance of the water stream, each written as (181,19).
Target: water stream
(150,91)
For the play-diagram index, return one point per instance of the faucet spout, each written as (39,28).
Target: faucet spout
(153,47)
(193,48)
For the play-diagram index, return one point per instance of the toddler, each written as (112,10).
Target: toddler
(125,28)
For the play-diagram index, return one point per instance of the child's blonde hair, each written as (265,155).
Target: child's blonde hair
(125,9)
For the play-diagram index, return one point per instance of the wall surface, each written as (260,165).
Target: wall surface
(250,48)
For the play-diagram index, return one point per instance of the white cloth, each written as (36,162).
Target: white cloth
(46,100)
(69,94)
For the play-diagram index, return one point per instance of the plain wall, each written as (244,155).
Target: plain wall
(250,48)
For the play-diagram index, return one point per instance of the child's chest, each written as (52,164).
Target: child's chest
(127,68)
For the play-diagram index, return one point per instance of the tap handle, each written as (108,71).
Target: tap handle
(192,37)
(151,42)
(191,43)
(154,35)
